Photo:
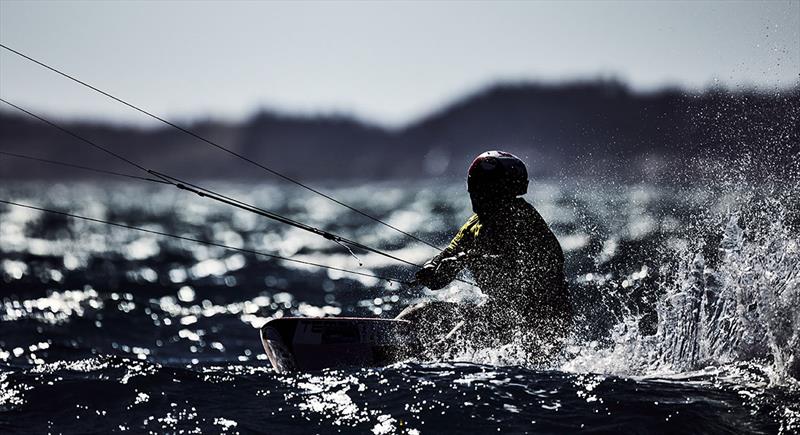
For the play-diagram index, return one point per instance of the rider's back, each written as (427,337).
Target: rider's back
(515,259)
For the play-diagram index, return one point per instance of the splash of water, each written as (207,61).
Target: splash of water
(741,305)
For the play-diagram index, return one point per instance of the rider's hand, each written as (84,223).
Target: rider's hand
(425,275)
(453,260)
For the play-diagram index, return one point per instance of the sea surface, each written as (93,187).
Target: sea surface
(688,302)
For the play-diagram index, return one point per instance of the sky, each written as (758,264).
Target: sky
(385,62)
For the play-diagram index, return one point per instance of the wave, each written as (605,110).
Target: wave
(741,304)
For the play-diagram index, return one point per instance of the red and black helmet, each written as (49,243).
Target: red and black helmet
(498,173)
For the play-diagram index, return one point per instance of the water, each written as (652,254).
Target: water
(687,304)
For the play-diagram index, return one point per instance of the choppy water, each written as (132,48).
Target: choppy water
(688,309)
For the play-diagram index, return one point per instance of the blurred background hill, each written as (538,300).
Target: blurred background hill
(578,128)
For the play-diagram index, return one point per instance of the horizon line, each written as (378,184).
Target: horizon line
(335,113)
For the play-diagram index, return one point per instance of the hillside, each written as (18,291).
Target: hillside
(571,129)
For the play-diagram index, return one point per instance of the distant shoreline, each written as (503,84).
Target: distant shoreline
(573,129)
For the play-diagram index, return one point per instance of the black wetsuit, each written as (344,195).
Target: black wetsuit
(517,261)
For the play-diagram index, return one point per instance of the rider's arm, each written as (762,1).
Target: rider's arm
(443,268)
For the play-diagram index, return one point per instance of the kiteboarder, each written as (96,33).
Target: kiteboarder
(515,259)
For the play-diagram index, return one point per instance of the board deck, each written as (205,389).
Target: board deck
(314,343)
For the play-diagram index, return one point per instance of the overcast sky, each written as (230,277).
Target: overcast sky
(388,62)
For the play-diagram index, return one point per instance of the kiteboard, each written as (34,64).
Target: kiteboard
(316,343)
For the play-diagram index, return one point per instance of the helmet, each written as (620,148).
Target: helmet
(497,173)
